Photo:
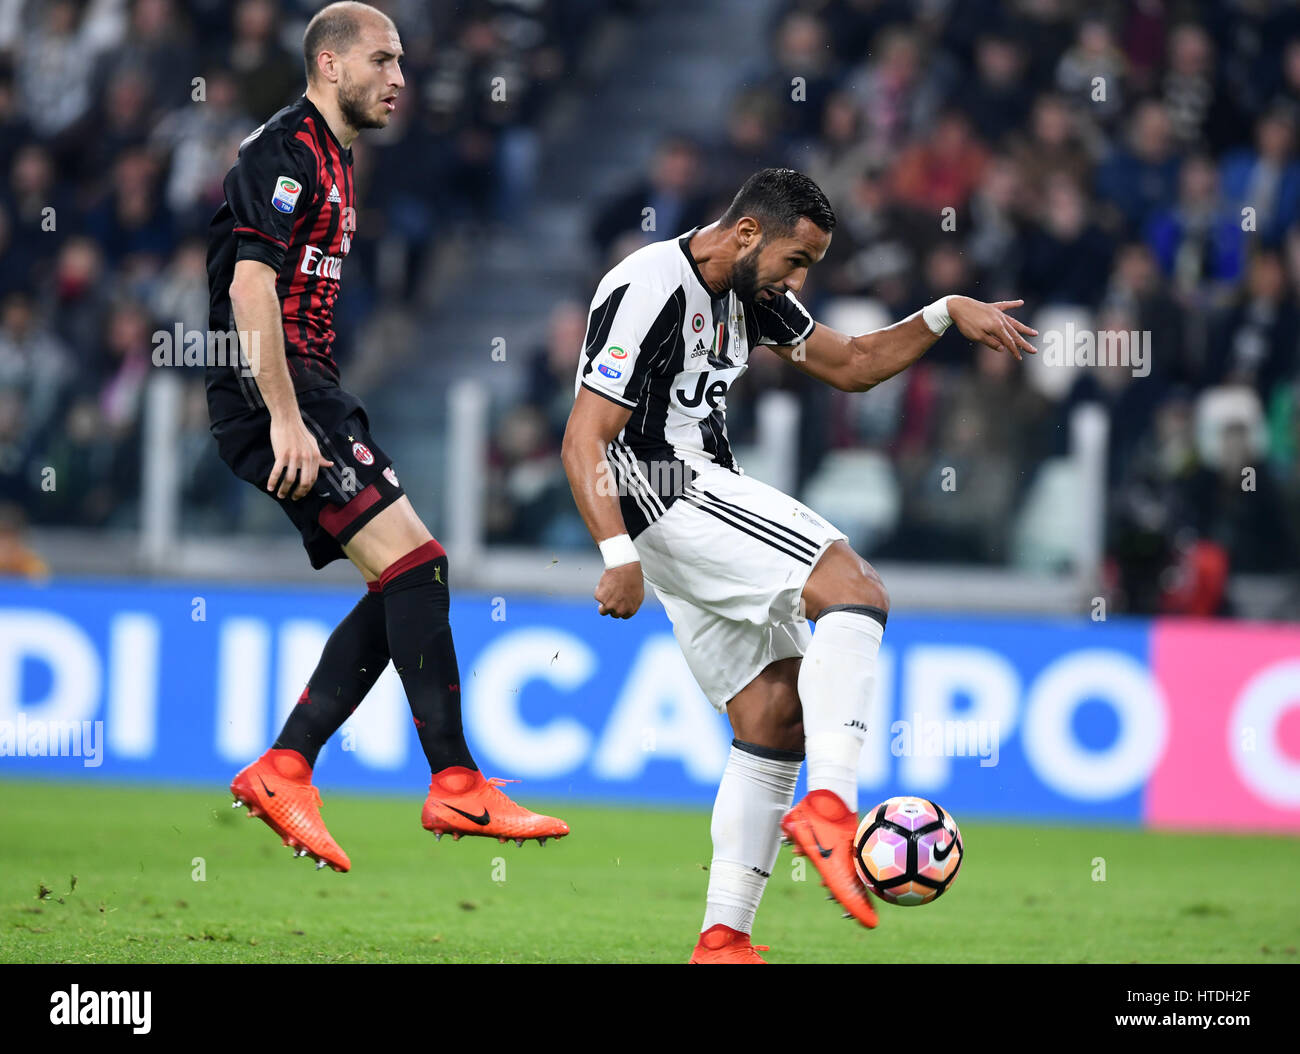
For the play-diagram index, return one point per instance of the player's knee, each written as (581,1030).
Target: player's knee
(859,586)
(776,723)
(873,590)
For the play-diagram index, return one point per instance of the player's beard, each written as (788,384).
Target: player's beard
(744,276)
(352,105)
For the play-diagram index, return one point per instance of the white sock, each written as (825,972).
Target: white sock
(836,679)
(757,789)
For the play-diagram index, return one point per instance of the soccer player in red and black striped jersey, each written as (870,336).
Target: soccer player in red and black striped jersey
(283,423)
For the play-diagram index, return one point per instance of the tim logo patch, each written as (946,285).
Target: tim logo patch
(610,372)
(362,453)
(285,198)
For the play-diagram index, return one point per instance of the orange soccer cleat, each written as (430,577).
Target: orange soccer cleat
(277,789)
(462,802)
(822,828)
(721,945)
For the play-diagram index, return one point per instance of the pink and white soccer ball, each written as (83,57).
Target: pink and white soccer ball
(907,850)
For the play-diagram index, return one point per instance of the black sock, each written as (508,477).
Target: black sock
(354,657)
(416,604)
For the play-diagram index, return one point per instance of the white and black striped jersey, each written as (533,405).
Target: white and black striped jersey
(659,343)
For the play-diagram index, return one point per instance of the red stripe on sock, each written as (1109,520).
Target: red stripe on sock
(336,518)
(430,550)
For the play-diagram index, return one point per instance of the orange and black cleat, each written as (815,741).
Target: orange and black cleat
(277,789)
(721,945)
(822,828)
(462,802)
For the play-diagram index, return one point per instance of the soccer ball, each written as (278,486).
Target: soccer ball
(907,850)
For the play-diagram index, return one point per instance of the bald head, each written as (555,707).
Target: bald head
(354,66)
(338,28)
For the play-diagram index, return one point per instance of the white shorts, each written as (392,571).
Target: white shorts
(728,561)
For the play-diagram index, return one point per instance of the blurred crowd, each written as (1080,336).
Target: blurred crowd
(1124,168)
(118,122)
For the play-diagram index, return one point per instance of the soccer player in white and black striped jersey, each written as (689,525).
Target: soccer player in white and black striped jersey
(735,562)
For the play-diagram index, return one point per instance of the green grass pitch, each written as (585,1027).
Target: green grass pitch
(627,886)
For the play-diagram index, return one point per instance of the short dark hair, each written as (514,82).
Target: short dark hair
(778,198)
(333,28)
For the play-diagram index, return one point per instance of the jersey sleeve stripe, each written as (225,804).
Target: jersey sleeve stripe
(260,234)
(598,325)
(608,395)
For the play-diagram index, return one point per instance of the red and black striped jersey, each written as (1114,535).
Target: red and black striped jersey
(289,204)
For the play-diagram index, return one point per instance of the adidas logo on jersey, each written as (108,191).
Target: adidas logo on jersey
(334,195)
(699,349)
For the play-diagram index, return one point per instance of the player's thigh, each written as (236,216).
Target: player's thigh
(736,547)
(842,577)
(766,712)
(388,537)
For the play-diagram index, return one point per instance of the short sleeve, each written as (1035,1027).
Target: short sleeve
(782,320)
(267,190)
(627,328)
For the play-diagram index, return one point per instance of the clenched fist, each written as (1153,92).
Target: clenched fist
(621,590)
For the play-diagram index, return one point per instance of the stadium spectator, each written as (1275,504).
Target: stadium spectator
(1254,342)
(56,65)
(1052,144)
(35,202)
(672,189)
(551,367)
(1142,176)
(1090,73)
(131,221)
(1066,258)
(269,76)
(997,100)
(804,77)
(940,172)
(899,91)
(1198,241)
(34,364)
(77,300)
(1266,178)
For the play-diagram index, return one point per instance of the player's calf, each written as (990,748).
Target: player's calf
(836,681)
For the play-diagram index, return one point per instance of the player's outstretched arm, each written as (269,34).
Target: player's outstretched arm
(856,364)
(593,423)
(257,310)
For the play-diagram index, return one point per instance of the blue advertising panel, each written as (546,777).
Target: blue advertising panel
(1032,718)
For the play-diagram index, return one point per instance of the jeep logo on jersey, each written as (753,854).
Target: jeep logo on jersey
(713,394)
(362,453)
(314,261)
(286,193)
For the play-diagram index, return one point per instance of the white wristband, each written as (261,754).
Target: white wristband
(936,316)
(618,551)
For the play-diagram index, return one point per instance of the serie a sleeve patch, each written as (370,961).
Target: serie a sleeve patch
(285,196)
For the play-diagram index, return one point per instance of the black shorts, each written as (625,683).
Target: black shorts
(347,495)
